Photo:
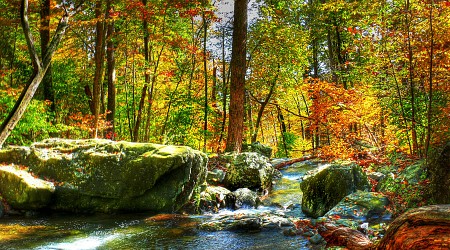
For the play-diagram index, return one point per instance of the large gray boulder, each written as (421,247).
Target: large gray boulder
(106,176)
(324,188)
(22,190)
(248,170)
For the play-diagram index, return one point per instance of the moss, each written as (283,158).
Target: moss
(22,190)
(107,176)
(327,186)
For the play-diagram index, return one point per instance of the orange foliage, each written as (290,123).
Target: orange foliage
(348,117)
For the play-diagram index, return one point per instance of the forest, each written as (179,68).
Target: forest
(336,78)
(332,81)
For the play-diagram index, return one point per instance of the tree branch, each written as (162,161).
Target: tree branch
(28,36)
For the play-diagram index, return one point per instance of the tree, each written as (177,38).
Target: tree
(45,39)
(98,59)
(111,70)
(237,86)
(40,67)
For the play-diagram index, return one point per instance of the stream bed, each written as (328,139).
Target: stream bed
(159,231)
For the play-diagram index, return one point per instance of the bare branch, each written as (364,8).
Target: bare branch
(28,36)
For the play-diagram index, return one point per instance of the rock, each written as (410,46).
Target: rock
(377,176)
(214,198)
(257,147)
(106,176)
(421,228)
(361,206)
(248,220)
(316,239)
(22,190)
(248,170)
(215,176)
(244,198)
(326,186)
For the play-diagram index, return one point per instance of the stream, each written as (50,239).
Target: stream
(159,231)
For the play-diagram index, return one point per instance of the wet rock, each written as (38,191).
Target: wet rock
(259,148)
(248,220)
(326,186)
(106,176)
(214,198)
(248,170)
(244,198)
(22,190)
(421,228)
(361,206)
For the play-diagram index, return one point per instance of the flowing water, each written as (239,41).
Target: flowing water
(150,231)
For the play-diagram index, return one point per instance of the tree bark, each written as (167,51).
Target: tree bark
(238,69)
(263,106)
(111,73)
(40,68)
(45,40)
(205,75)
(421,228)
(98,59)
(415,144)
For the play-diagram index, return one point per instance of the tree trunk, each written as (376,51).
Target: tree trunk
(139,114)
(420,228)
(40,69)
(205,75)
(238,69)
(415,144)
(263,106)
(430,82)
(98,58)
(111,73)
(225,78)
(44,31)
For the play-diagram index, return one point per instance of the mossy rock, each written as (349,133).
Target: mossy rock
(362,206)
(326,186)
(248,170)
(107,176)
(23,191)
(259,148)
(214,198)
(412,175)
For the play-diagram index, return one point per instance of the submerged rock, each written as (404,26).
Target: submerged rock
(248,170)
(325,187)
(107,176)
(420,228)
(22,190)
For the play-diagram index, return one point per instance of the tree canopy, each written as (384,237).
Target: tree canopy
(339,78)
